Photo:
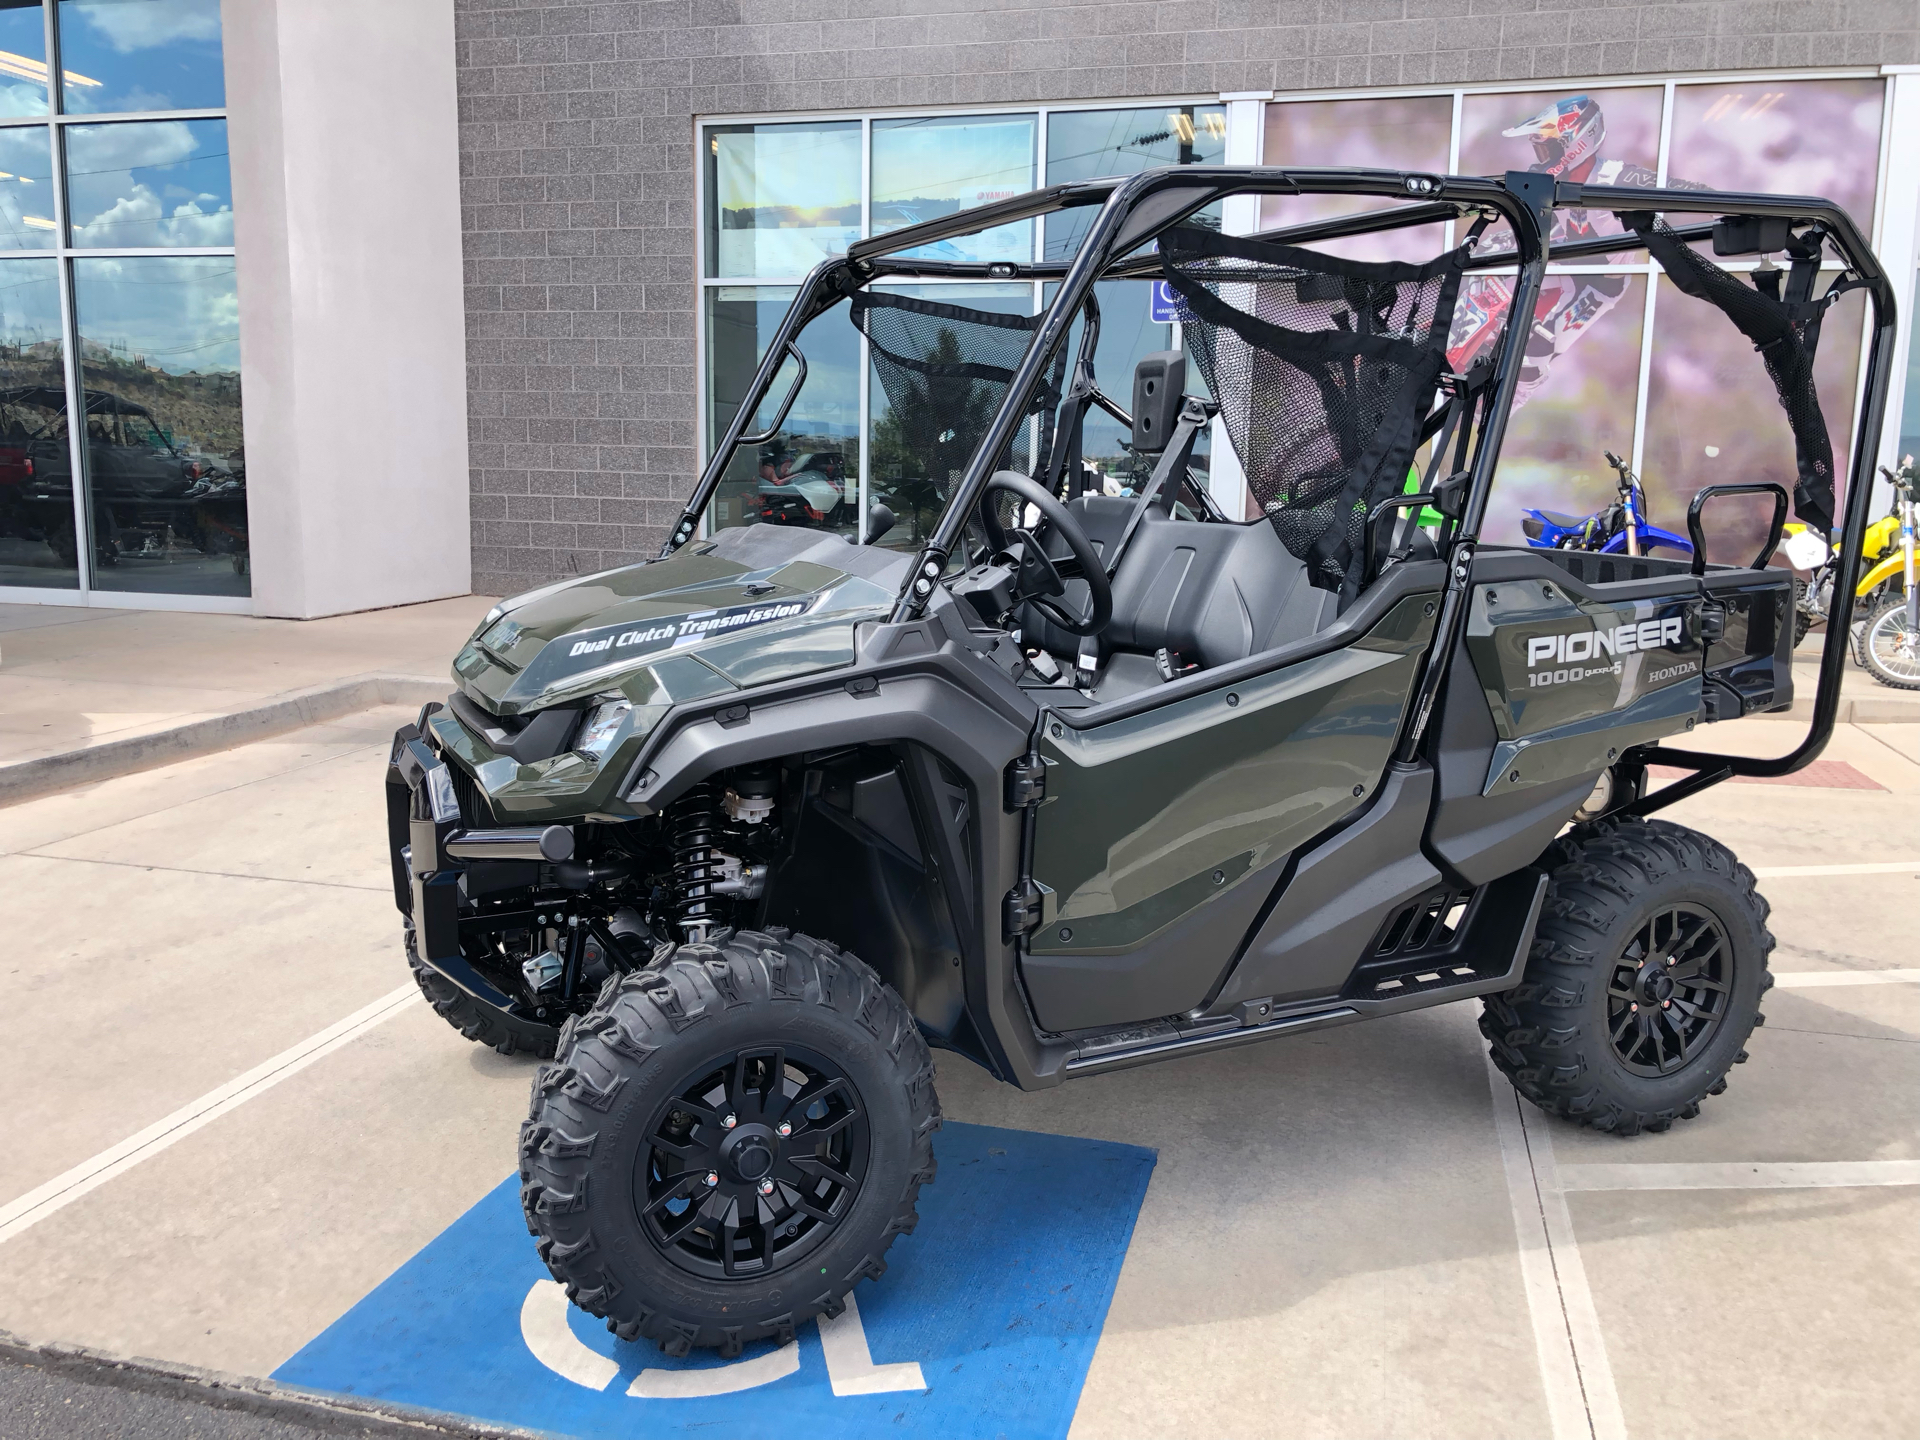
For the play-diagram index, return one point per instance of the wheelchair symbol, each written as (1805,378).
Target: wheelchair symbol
(850,1366)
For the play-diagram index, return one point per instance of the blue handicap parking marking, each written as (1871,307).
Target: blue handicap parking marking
(984,1324)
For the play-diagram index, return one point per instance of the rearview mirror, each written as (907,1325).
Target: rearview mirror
(1751,234)
(1159,385)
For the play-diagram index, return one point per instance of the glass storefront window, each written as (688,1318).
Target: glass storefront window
(158,183)
(159,340)
(120,56)
(1713,416)
(1128,334)
(1590,344)
(23,58)
(1088,144)
(26,189)
(36,475)
(1797,137)
(1605,137)
(808,474)
(780,198)
(927,167)
(1575,403)
(1397,134)
(162,505)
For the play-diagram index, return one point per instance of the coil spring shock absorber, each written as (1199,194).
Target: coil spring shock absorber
(691,825)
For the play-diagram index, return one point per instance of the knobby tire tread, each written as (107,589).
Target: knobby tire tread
(480,1023)
(1597,873)
(601,1051)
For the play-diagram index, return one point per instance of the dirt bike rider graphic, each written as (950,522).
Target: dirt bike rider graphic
(1567,137)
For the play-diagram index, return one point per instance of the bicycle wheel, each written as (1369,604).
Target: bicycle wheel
(1892,645)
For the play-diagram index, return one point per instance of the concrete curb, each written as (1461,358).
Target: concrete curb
(317,1410)
(45,774)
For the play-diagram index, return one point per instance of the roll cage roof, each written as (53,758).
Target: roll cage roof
(1135,210)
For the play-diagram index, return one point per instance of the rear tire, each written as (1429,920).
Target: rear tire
(1888,647)
(1644,981)
(479,1022)
(687,1070)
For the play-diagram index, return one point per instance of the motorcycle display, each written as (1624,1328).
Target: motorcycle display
(1889,642)
(1619,529)
(1805,549)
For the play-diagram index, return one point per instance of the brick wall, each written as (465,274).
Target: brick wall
(577,173)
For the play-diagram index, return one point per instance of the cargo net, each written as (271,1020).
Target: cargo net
(1323,368)
(946,370)
(1786,332)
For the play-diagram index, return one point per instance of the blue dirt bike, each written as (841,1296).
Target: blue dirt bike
(1619,529)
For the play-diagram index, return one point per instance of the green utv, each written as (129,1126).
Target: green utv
(1081,781)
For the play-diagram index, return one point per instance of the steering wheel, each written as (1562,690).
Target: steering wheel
(1042,579)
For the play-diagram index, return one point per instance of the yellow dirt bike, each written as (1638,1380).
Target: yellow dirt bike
(1806,549)
(1889,643)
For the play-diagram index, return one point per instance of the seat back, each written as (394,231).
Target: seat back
(1213,593)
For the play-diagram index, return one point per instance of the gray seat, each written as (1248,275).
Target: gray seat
(1210,592)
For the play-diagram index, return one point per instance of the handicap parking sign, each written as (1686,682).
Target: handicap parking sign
(1166,305)
(985,1322)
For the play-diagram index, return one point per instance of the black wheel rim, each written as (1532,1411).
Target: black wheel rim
(724,1191)
(1669,990)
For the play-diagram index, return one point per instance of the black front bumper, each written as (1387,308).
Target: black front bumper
(423,810)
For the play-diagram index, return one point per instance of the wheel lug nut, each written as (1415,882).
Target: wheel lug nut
(766,1187)
(786,1129)
(728,1123)
(713,1177)
(1666,1004)
(1636,1007)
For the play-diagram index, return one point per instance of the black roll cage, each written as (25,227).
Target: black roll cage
(1135,210)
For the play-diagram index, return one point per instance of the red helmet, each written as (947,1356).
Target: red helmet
(1564,134)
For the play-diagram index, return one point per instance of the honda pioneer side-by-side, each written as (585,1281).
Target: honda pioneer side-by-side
(1075,781)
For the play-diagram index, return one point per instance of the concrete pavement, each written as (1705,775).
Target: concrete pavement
(90,693)
(1335,1241)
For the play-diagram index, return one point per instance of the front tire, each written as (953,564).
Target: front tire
(479,1022)
(1644,981)
(729,1141)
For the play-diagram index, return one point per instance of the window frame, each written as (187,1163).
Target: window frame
(1242,117)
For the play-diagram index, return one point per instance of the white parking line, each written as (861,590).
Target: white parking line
(1815,979)
(1789,1175)
(1878,867)
(1582,1403)
(37,1204)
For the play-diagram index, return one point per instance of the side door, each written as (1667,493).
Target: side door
(1167,824)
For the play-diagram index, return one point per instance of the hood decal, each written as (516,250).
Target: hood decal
(609,644)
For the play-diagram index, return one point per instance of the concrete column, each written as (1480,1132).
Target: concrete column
(346,184)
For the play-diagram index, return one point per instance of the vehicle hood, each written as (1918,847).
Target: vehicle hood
(749,607)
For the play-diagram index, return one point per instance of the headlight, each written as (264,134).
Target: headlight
(603,723)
